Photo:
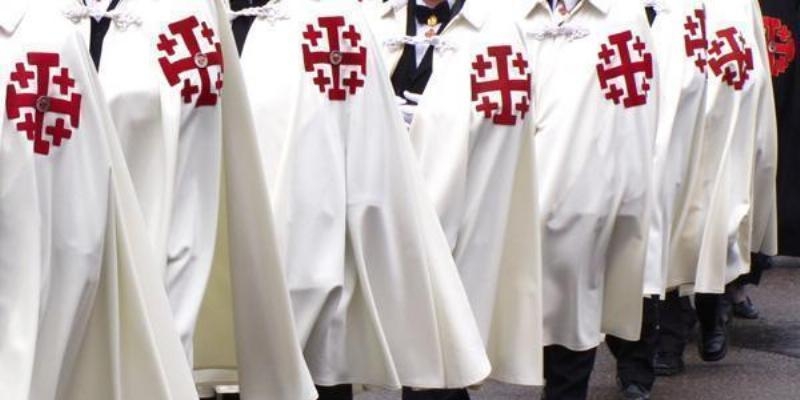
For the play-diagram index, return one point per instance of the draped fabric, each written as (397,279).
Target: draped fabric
(83,310)
(375,293)
(595,139)
(481,173)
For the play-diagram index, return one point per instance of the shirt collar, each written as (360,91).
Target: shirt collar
(11,13)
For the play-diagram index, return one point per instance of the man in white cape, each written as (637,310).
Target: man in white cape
(595,127)
(679,48)
(734,209)
(376,296)
(82,309)
(161,68)
(462,67)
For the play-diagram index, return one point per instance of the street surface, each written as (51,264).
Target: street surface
(763,362)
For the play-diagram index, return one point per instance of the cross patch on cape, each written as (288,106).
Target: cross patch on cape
(625,69)
(47,118)
(780,45)
(192,56)
(333,53)
(730,57)
(695,39)
(501,85)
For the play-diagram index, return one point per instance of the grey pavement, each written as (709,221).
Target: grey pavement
(763,362)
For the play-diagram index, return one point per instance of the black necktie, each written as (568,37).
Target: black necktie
(241,25)
(651,14)
(99,29)
(433,16)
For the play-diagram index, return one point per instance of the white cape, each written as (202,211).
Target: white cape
(248,283)
(595,133)
(86,318)
(681,55)
(376,296)
(739,155)
(480,171)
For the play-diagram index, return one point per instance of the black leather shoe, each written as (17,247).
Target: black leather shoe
(713,344)
(633,391)
(668,364)
(745,309)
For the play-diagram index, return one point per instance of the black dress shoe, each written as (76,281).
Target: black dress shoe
(745,309)
(668,364)
(633,391)
(713,345)
(713,313)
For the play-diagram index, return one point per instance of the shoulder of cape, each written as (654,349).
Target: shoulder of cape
(496,24)
(169,11)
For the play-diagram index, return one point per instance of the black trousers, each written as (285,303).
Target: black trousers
(345,392)
(676,321)
(635,359)
(567,373)
(338,392)
(435,394)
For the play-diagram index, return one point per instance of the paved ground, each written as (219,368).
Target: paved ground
(763,363)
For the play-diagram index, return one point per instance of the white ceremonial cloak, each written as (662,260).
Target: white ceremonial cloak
(375,292)
(268,359)
(474,140)
(173,141)
(595,128)
(161,73)
(679,48)
(83,312)
(739,156)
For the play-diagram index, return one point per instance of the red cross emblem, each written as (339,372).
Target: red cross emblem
(625,70)
(695,39)
(780,45)
(730,58)
(339,63)
(196,63)
(40,113)
(501,85)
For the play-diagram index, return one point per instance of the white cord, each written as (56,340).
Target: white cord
(269,12)
(437,42)
(122,20)
(568,31)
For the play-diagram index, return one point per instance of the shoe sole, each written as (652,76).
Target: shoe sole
(714,357)
(667,372)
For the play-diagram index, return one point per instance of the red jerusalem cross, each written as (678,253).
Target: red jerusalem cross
(34,105)
(504,111)
(633,93)
(780,45)
(343,52)
(195,60)
(695,40)
(730,58)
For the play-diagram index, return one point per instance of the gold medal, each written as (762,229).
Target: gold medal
(432,21)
